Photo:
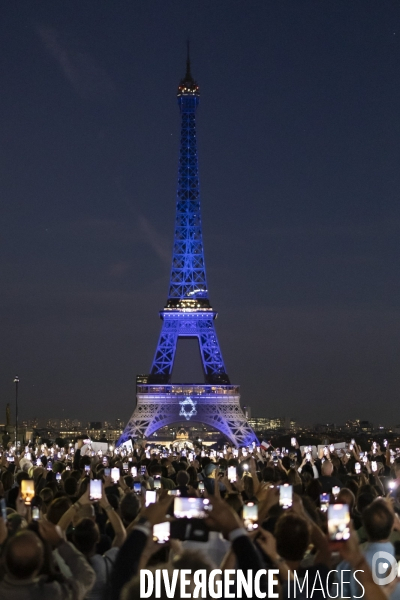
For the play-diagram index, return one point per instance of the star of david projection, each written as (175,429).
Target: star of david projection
(188,408)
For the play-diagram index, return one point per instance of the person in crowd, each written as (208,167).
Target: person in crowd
(110,533)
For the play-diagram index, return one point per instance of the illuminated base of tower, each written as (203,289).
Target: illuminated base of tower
(214,405)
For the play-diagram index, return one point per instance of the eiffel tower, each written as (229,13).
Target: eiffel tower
(188,314)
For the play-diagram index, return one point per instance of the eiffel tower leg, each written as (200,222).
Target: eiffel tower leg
(217,407)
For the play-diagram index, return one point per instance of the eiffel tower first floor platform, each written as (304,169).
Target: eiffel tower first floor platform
(215,405)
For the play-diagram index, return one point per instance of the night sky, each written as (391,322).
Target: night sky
(299,147)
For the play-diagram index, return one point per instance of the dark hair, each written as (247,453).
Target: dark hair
(129,507)
(86,535)
(57,508)
(7,480)
(268,474)
(192,472)
(363,501)
(155,469)
(378,521)
(23,555)
(71,486)
(292,536)
(182,478)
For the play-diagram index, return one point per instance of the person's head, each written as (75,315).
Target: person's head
(7,479)
(346,496)
(209,469)
(378,521)
(314,490)
(86,536)
(129,507)
(363,501)
(155,469)
(268,474)
(192,471)
(182,478)
(70,486)
(292,536)
(23,555)
(327,468)
(181,466)
(352,485)
(57,508)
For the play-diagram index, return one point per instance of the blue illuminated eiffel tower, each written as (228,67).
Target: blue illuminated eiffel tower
(188,314)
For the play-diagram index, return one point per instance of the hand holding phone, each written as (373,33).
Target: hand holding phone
(338,522)
(95,490)
(27,490)
(250,516)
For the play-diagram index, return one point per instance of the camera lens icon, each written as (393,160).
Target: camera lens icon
(384,568)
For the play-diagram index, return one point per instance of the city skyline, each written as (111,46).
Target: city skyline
(299,144)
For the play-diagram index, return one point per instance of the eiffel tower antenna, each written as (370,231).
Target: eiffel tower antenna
(188,73)
(188,314)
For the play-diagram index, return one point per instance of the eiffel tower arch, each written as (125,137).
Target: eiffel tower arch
(188,314)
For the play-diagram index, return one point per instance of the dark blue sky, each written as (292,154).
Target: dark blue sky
(299,148)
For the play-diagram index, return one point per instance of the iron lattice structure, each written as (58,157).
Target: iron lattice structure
(188,313)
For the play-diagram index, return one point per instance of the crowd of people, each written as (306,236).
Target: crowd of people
(77,523)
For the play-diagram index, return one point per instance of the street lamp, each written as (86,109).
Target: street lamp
(16,381)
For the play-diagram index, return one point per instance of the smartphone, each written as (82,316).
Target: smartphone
(324,502)
(157,484)
(28,455)
(107,472)
(335,490)
(357,468)
(374,466)
(87,468)
(190,508)
(35,513)
(38,462)
(115,474)
(285,495)
(134,471)
(125,467)
(250,516)
(308,456)
(3,509)
(176,492)
(151,497)
(95,489)
(137,487)
(338,522)
(143,470)
(365,459)
(232,474)
(331,448)
(161,532)
(27,490)
(58,477)
(105,460)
